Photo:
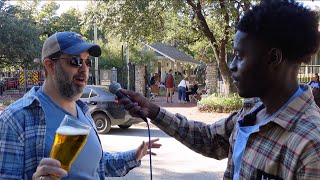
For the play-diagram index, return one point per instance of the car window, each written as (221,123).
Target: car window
(105,88)
(86,93)
(92,94)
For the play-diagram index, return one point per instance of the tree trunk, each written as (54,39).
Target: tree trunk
(140,83)
(224,70)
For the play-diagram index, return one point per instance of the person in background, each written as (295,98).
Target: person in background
(28,126)
(152,80)
(169,84)
(315,81)
(276,133)
(182,89)
(193,90)
(315,86)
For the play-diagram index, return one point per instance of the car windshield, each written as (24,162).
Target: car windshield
(88,93)
(105,88)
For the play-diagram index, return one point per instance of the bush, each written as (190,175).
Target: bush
(220,104)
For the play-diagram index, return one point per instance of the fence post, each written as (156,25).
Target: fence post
(113,75)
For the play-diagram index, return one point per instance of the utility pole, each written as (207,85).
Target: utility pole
(96,63)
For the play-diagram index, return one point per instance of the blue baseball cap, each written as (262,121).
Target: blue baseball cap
(69,43)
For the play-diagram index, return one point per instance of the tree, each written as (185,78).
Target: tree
(19,37)
(47,18)
(207,24)
(68,21)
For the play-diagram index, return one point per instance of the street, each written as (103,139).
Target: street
(173,161)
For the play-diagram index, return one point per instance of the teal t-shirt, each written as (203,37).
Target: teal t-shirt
(86,164)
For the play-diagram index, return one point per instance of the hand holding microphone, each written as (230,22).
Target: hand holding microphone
(134,102)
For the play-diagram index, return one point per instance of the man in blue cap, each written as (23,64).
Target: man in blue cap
(28,126)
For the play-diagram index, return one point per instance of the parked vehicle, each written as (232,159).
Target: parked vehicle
(105,110)
(11,83)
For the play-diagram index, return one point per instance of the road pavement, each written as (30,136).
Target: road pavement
(174,161)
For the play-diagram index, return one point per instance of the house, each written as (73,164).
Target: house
(170,57)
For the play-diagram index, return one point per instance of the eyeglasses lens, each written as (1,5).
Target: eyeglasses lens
(77,61)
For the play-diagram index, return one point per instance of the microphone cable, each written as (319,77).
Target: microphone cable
(150,160)
(115,88)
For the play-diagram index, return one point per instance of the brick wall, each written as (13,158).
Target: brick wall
(140,74)
(211,77)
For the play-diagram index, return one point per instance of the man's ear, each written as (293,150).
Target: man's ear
(275,57)
(48,65)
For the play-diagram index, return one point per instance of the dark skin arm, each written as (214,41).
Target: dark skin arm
(137,103)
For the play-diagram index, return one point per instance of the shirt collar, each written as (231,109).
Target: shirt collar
(30,100)
(288,115)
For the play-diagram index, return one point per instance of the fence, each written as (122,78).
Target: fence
(306,72)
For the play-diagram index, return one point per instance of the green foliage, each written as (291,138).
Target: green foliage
(142,56)
(19,37)
(68,21)
(111,56)
(217,103)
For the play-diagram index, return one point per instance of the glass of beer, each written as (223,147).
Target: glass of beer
(70,137)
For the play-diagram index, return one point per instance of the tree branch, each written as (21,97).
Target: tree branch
(197,9)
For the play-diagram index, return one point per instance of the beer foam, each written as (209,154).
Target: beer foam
(68,130)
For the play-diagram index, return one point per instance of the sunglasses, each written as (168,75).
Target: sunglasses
(76,61)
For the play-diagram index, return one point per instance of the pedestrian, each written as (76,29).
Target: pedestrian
(169,84)
(28,126)
(315,81)
(276,134)
(315,86)
(182,90)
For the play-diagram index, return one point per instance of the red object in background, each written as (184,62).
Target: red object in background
(11,83)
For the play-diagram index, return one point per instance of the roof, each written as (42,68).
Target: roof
(171,53)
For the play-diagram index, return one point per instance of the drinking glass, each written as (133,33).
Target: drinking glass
(70,137)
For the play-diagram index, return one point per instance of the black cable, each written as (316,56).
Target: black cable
(149,149)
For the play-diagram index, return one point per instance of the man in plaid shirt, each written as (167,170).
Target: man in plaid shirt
(28,126)
(276,134)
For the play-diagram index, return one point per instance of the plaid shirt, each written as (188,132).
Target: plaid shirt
(22,142)
(288,147)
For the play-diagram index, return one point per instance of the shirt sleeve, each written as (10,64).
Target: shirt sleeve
(211,140)
(11,149)
(118,164)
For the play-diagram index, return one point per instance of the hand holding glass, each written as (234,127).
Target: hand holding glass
(70,137)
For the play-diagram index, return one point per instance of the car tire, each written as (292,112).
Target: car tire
(124,126)
(102,122)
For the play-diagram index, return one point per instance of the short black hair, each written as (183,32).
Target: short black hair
(286,25)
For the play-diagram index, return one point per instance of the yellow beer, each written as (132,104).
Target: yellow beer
(68,142)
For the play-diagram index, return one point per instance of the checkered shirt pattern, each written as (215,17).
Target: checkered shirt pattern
(287,147)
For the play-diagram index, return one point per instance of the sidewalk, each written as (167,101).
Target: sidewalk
(161,101)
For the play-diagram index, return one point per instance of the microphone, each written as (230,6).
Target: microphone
(114,88)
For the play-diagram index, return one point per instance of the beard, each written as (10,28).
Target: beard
(66,87)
